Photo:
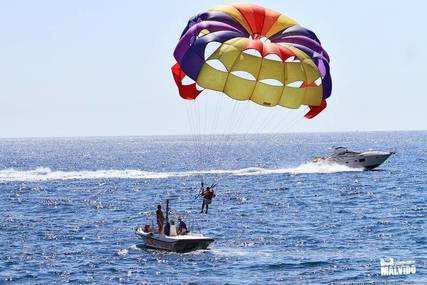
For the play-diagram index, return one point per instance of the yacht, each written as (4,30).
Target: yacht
(368,159)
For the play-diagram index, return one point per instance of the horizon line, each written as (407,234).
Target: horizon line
(208,134)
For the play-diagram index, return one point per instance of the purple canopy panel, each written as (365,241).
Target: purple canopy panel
(218,17)
(321,65)
(327,85)
(320,61)
(193,59)
(192,63)
(295,31)
(304,41)
(190,36)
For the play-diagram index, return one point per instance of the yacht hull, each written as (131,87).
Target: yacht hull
(368,162)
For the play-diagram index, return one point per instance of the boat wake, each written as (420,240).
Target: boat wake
(305,168)
(46,174)
(235,252)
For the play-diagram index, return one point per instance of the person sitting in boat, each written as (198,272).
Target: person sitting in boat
(207,198)
(147,228)
(160,218)
(172,228)
(182,227)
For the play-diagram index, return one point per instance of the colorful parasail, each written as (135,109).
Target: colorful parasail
(249,52)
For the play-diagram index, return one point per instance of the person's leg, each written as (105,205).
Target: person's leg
(207,206)
(203,206)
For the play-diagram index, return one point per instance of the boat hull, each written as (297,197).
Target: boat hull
(185,243)
(368,162)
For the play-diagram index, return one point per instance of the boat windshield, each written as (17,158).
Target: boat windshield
(341,151)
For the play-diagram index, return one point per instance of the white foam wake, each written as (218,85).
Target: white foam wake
(309,167)
(46,174)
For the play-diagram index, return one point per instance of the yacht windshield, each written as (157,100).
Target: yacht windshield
(341,151)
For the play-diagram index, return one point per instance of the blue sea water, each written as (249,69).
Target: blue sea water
(69,206)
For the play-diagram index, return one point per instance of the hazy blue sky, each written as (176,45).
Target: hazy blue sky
(71,68)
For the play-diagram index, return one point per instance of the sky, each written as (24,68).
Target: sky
(102,68)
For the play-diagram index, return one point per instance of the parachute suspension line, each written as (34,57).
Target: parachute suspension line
(213,132)
(231,120)
(190,122)
(283,128)
(236,122)
(215,119)
(282,122)
(259,121)
(239,119)
(269,118)
(286,121)
(242,123)
(233,125)
(295,119)
(194,128)
(252,121)
(223,135)
(266,118)
(205,137)
(214,122)
(198,136)
(196,139)
(202,109)
(193,148)
(242,119)
(226,121)
(199,112)
(198,133)
(274,120)
(207,120)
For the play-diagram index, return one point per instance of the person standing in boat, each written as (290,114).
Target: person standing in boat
(207,195)
(160,218)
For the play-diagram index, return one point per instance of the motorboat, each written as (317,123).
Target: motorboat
(368,159)
(178,243)
(172,241)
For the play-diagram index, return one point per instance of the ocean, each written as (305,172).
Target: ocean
(69,207)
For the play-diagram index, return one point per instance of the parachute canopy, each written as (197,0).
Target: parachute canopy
(252,53)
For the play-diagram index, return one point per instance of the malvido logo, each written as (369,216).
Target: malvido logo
(392,267)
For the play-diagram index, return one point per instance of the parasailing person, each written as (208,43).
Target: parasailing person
(207,195)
